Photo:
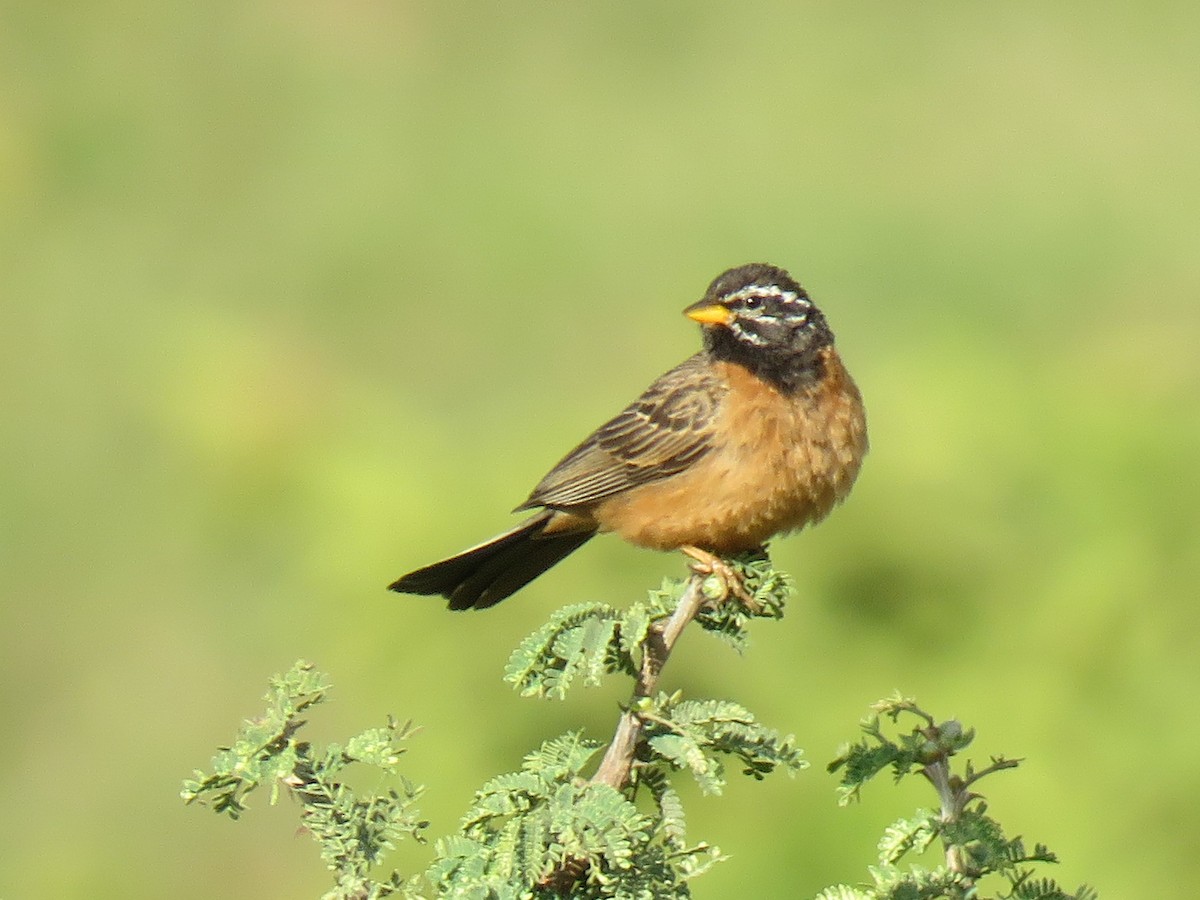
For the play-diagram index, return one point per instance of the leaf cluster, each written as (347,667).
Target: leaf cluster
(525,829)
(557,826)
(974,844)
(587,641)
(906,753)
(590,640)
(548,826)
(769,590)
(353,831)
(694,735)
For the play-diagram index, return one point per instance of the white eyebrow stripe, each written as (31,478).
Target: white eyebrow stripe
(767,290)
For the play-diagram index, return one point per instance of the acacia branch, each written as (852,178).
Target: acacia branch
(660,640)
(618,759)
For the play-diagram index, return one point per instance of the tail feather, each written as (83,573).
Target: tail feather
(488,573)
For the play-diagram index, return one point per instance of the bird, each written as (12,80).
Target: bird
(760,433)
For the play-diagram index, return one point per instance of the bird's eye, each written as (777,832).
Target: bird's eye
(753,302)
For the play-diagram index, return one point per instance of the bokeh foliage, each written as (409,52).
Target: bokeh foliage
(296,297)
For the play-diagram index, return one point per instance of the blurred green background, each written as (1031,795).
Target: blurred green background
(297,297)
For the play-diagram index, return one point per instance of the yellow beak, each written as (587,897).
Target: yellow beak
(709,314)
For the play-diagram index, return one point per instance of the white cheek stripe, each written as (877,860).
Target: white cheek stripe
(748,336)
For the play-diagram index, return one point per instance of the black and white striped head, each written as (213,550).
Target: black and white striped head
(759,316)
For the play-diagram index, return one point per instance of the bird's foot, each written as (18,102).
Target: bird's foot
(732,583)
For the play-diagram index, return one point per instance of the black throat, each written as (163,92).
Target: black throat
(788,369)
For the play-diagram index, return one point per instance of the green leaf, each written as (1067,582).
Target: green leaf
(976,848)
(769,588)
(561,757)
(353,831)
(845,892)
(577,638)
(683,752)
(908,836)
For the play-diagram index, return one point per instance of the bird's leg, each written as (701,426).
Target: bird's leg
(706,563)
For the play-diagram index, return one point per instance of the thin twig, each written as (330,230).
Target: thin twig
(996,766)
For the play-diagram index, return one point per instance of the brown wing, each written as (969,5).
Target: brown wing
(661,433)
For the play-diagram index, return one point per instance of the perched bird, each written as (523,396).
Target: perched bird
(761,432)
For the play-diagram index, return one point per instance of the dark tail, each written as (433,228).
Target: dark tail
(486,574)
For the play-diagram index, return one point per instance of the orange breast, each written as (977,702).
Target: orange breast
(779,462)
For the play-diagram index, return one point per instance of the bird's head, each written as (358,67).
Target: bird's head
(759,316)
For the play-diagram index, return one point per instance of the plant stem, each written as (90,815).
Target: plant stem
(660,640)
(953,796)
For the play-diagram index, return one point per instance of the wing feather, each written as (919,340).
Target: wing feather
(659,434)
